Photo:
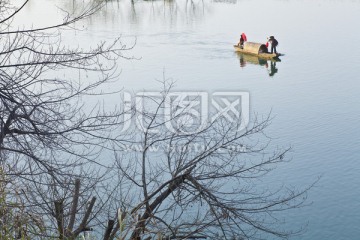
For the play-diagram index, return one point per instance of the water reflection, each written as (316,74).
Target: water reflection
(226,1)
(144,12)
(270,65)
(273,68)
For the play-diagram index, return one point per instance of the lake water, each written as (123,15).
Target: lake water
(313,97)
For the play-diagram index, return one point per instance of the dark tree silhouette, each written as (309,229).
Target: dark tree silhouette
(49,136)
(204,184)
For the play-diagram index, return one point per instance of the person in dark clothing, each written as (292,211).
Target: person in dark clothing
(274,44)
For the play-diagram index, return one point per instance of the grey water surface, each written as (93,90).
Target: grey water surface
(313,93)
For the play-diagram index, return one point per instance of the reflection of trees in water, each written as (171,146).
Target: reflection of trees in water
(144,12)
(226,1)
(170,11)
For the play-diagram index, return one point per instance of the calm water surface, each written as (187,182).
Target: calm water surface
(314,95)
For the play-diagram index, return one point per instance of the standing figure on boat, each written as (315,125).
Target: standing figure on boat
(243,39)
(273,43)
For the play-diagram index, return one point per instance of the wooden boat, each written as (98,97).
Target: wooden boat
(256,49)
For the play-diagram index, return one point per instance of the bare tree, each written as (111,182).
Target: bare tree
(176,184)
(49,136)
(203,184)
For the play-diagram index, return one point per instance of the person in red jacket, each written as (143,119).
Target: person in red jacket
(243,39)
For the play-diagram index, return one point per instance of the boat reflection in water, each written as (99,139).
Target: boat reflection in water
(270,65)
